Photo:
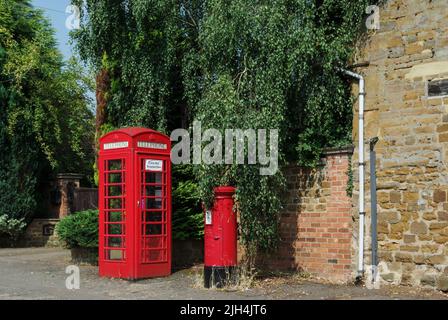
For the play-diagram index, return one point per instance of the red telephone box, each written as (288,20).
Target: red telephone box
(220,239)
(134,204)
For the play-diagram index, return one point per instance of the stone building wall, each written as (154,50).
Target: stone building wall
(409,49)
(316,225)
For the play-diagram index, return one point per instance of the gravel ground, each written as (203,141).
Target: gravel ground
(39,273)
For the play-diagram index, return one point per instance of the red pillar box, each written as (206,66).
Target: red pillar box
(134,204)
(220,239)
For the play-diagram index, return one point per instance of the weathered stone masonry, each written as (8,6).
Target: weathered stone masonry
(410,49)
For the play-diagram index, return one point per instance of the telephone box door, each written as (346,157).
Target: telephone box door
(115,240)
(153,216)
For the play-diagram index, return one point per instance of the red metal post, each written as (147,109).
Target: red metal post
(220,239)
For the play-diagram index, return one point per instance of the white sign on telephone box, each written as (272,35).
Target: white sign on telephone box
(153,165)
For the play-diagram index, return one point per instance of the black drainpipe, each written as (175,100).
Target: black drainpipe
(374,215)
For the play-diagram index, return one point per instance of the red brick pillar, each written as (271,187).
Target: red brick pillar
(324,242)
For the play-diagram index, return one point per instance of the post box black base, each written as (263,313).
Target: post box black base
(219,276)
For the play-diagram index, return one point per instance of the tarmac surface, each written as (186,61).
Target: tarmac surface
(39,273)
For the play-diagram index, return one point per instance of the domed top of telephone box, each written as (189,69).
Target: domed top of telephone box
(135,138)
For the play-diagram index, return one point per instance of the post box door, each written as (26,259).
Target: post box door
(153,209)
(213,238)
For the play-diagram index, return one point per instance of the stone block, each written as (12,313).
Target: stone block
(389,216)
(443,137)
(410,197)
(442,283)
(419,227)
(395,197)
(409,248)
(428,216)
(428,280)
(441,239)
(409,238)
(403,257)
(442,216)
(389,277)
(439,195)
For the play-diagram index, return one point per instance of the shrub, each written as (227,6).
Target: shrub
(11,228)
(188,218)
(79,230)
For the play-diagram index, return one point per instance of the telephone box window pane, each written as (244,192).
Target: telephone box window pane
(115,229)
(154,242)
(115,216)
(115,203)
(153,177)
(115,254)
(153,216)
(155,203)
(153,229)
(115,191)
(153,191)
(114,165)
(115,178)
(155,255)
(115,242)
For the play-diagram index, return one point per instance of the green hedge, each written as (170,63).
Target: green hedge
(188,218)
(79,230)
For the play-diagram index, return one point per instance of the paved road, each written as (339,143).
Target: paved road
(39,273)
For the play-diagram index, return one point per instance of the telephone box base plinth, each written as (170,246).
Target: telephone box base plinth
(219,276)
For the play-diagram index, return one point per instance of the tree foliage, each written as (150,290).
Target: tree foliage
(231,64)
(45,121)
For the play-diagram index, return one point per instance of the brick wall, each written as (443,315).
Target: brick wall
(316,224)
